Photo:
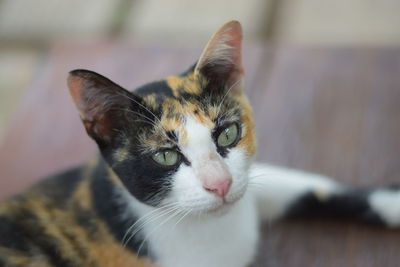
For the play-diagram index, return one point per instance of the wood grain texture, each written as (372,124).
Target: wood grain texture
(332,111)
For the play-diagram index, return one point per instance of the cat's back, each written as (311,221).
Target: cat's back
(54,224)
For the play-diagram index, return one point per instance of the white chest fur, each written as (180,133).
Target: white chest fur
(229,240)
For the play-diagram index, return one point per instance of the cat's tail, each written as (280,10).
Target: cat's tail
(282,193)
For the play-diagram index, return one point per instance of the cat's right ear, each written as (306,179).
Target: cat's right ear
(102,104)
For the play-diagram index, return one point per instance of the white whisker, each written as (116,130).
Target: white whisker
(148,220)
(226,94)
(144,217)
(176,212)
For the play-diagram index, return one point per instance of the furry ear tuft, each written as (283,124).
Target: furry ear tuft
(221,60)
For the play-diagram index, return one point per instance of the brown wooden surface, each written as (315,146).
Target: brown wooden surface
(336,112)
(332,111)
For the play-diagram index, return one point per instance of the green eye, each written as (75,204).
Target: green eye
(166,157)
(228,135)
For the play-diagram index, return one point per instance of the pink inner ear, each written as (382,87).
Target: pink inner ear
(224,48)
(99,102)
(75,85)
(236,43)
(231,36)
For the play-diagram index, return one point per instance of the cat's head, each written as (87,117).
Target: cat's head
(188,139)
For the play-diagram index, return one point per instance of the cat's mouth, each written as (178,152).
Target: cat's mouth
(223,205)
(220,209)
(210,204)
(217,207)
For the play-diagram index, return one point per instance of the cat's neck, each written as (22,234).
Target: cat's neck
(111,206)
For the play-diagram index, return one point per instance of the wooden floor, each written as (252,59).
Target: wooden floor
(331,111)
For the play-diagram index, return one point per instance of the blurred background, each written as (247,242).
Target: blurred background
(323,78)
(29,28)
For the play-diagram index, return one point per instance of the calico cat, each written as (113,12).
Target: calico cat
(175,184)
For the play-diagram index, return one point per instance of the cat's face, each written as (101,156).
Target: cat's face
(187,140)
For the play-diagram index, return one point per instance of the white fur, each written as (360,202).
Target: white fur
(201,229)
(386,203)
(277,188)
(197,229)
(199,141)
(227,240)
(187,190)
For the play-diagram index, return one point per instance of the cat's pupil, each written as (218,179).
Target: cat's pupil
(166,158)
(228,136)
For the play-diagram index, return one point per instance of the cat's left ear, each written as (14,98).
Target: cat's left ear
(221,60)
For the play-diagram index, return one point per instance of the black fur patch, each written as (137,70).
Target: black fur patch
(348,205)
(146,180)
(110,209)
(158,88)
(13,235)
(60,187)
(393,187)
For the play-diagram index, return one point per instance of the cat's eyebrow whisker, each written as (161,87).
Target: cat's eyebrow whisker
(138,120)
(152,122)
(226,94)
(140,104)
(149,121)
(166,136)
(143,106)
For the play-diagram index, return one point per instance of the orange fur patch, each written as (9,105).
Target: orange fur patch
(188,84)
(150,100)
(248,141)
(74,241)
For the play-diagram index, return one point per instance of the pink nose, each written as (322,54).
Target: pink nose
(219,187)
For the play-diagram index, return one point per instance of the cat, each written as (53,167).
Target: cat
(175,183)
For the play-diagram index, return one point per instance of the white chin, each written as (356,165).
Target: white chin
(217,206)
(218,210)
(232,198)
(224,206)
